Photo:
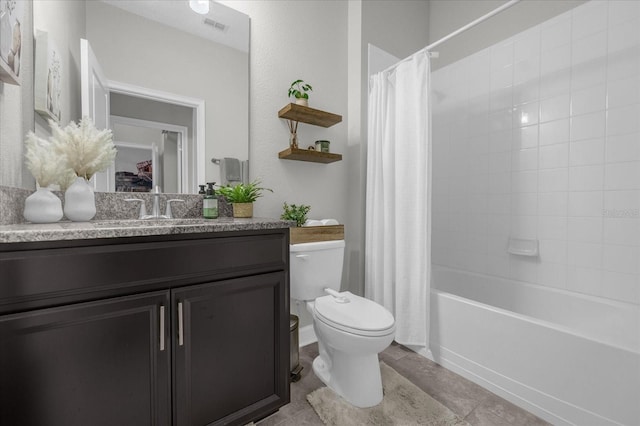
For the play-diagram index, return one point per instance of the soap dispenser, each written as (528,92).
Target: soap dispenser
(210,203)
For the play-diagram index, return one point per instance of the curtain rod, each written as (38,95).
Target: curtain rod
(457,32)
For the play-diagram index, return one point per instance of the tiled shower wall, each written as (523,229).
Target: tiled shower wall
(538,137)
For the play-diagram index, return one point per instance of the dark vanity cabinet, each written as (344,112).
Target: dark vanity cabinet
(183,330)
(96,363)
(219,332)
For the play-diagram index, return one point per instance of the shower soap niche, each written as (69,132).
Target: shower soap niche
(523,247)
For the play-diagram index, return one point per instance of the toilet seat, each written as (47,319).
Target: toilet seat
(359,316)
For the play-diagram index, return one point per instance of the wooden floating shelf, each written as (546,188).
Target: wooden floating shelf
(310,234)
(309,155)
(303,114)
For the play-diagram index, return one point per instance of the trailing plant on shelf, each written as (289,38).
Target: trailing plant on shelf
(299,91)
(297,213)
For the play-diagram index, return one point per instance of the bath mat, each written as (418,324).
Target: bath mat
(403,404)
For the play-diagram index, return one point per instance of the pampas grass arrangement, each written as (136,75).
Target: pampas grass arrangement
(77,150)
(44,162)
(69,158)
(86,149)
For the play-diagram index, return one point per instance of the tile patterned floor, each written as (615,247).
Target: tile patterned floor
(476,405)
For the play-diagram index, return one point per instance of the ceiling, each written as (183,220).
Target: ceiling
(223,25)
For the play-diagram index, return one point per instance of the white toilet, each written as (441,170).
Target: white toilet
(351,330)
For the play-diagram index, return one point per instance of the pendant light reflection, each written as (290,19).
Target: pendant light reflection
(199,6)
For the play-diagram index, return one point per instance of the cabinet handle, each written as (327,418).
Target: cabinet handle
(161,328)
(180,325)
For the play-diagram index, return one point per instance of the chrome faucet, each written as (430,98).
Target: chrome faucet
(155,211)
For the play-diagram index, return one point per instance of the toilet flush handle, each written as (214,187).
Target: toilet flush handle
(337,297)
(302,256)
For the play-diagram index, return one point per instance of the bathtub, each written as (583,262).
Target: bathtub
(570,359)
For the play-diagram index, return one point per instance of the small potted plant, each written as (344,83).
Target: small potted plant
(242,196)
(297,213)
(299,91)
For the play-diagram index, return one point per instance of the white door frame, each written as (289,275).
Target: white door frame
(94,93)
(197,166)
(183,166)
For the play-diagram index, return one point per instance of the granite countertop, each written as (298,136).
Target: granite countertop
(30,232)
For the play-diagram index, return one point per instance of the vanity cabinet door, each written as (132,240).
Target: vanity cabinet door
(96,363)
(231,350)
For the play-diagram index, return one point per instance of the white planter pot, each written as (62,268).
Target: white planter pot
(43,207)
(302,101)
(79,201)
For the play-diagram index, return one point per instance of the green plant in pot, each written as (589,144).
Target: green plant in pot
(242,196)
(297,213)
(299,91)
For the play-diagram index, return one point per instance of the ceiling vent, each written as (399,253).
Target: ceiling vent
(218,26)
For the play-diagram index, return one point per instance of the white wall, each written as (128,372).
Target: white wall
(537,137)
(16,113)
(400,27)
(144,53)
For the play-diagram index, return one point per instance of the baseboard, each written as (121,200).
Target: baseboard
(306,335)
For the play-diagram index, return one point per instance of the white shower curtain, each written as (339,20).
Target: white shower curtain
(398,198)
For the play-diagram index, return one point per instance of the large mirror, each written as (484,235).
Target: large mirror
(175,76)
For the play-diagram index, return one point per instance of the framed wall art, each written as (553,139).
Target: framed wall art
(48,77)
(11,36)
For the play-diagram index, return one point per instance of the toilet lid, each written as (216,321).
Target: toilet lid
(359,316)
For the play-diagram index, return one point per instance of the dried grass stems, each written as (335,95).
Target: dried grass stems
(86,149)
(44,162)
(77,150)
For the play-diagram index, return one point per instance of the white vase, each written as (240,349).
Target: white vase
(43,207)
(302,101)
(79,201)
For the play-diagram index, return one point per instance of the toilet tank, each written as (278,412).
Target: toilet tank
(314,267)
